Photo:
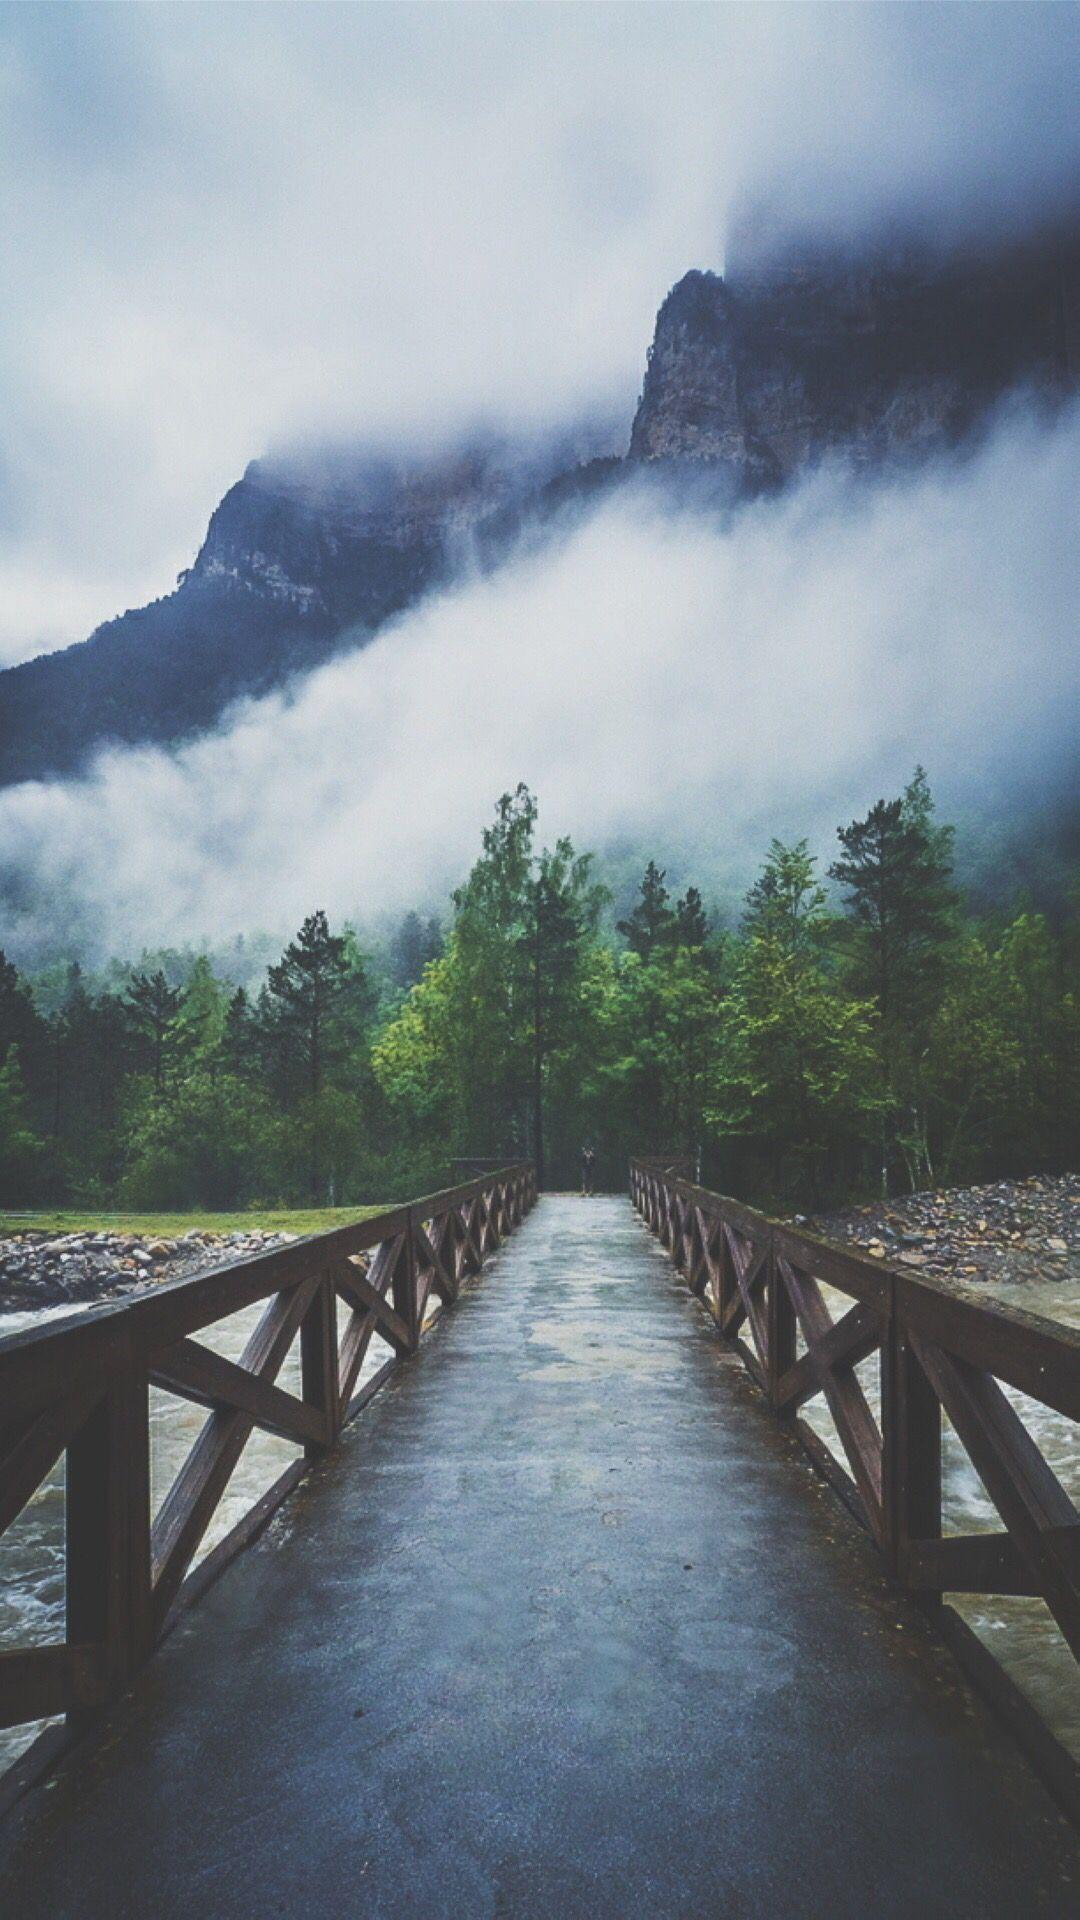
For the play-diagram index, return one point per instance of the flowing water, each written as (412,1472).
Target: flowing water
(32,1550)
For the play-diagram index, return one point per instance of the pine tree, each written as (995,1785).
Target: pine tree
(408,951)
(896,868)
(307,992)
(691,927)
(798,1072)
(492,1005)
(22,1026)
(238,1037)
(563,909)
(153,1006)
(201,1016)
(20,1148)
(651,922)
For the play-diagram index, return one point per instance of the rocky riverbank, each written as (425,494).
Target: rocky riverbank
(70,1269)
(1014,1232)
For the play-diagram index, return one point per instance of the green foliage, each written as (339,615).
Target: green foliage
(1003,1064)
(153,1007)
(897,866)
(691,927)
(414,1057)
(198,1147)
(313,1015)
(415,944)
(800,1070)
(650,924)
(169,1224)
(819,1049)
(495,1024)
(21,1151)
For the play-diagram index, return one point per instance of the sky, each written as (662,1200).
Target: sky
(228,228)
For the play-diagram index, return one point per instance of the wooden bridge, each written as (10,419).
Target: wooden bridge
(565,1623)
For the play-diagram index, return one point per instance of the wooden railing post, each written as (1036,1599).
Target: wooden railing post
(911,1452)
(107,1499)
(319,1363)
(404,1284)
(782,1342)
(729,1285)
(463,1236)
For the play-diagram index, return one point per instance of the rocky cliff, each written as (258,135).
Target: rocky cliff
(750,378)
(892,355)
(302,556)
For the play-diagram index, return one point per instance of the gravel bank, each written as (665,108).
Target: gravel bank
(1014,1232)
(54,1270)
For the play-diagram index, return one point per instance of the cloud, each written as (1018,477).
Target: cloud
(656,677)
(229,227)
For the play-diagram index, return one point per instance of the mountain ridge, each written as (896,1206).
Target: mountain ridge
(877,356)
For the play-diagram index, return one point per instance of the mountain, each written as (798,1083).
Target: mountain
(893,354)
(876,355)
(303,555)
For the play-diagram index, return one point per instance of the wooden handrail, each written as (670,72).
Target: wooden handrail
(941,1352)
(81,1388)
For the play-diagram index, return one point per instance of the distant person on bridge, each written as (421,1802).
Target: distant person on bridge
(588,1170)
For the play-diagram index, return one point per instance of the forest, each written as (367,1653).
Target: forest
(856,1029)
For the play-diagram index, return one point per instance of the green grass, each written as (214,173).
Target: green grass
(169,1226)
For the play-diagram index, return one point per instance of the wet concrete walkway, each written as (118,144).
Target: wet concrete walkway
(567,1629)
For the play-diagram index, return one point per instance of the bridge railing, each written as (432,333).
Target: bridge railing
(940,1353)
(81,1389)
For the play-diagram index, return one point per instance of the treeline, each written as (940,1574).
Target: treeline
(875,1033)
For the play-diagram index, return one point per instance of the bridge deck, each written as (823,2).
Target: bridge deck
(568,1630)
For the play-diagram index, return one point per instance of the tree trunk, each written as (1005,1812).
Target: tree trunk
(538,1065)
(316,1078)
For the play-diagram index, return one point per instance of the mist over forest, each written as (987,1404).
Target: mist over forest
(694,631)
(659,675)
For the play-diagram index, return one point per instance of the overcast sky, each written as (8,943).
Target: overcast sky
(227,226)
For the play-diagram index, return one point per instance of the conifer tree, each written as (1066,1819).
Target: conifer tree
(650,923)
(20,1147)
(691,925)
(153,1006)
(896,868)
(307,994)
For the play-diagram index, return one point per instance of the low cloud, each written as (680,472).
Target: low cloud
(228,227)
(656,677)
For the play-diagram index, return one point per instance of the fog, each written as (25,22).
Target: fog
(228,228)
(655,675)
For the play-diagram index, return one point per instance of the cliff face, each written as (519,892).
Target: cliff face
(895,356)
(750,378)
(339,539)
(300,557)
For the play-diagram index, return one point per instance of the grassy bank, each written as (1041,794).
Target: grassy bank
(169,1226)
